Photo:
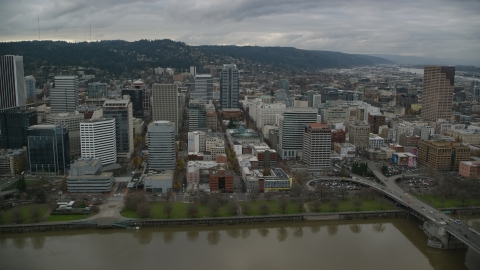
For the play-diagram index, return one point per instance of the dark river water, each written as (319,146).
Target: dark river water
(359,244)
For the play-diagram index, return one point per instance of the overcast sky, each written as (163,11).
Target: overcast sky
(438,28)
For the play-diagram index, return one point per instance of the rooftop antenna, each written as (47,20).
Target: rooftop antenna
(38,28)
(90,33)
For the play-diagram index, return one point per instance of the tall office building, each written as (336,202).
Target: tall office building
(97,90)
(291,128)
(229,86)
(64,97)
(165,103)
(31,88)
(475,90)
(12,85)
(161,145)
(72,122)
(197,117)
(202,88)
(317,140)
(285,85)
(121,111)
(359,135)
(437,92)
(48,149)
(14,124)
(136,97)
(98,140)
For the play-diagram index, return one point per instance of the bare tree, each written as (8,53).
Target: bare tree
(214,206)
(381,201)
(232,208)
(357,202)
(316,205)
(342,191)
(283,205)
(16,216)
(253,195)
(131,202)
(268,195)
(143,209)
(300,204)
(334,204)
(167,209)
(192,210)
(168,196)
(35,213)
(322,191)
(463,196)
(2,221)
(264,209)
(245,208)
(296,190)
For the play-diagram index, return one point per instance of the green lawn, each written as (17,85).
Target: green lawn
(347,206)
(274,206)
(25,211)
(440,202)
(67,217)
(29,183)
(179,211)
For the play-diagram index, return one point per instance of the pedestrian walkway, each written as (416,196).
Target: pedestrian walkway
(307,209)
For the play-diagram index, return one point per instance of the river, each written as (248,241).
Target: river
(394,243)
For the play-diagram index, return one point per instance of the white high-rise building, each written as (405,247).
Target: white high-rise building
(165,103)
(161,145)
(64,97)
(196,141)
(291,127)
(317,145)
(98,140)
(12,85)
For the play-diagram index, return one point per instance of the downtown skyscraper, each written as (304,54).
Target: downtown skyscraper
(229,86)
(437,93)
(64,97)
(165,103)
(12,84)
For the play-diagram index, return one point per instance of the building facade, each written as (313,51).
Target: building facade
(64,97)
(14,124)
(48,149)
(317,140)
(469,169)
(229,87)
(197,117)
(30,87)
(358,135)
(442,155)
(86,176)
(161,145)
(375,120)
(12,85)
(165,103)
(97,90)
(290,130)
(136,98)
(438,84)
(121,110)
(202,88)
(72,122)
(98,140)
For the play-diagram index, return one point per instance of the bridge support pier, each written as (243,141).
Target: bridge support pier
(439,238)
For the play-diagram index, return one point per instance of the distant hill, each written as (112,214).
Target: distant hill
(294,58)
(118,56)
(417,60)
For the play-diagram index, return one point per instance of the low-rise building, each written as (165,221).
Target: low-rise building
(442,155)
(12,159)
(86,176)
(469,169)
(375,141)
(221,181)
(158,181)
(277,180)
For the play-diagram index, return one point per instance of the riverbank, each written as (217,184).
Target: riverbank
(131,223)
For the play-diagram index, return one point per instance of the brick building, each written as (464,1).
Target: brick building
(469,169)
(220,181)
(375,120)
(442,155)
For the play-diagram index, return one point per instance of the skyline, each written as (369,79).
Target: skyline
(451,30)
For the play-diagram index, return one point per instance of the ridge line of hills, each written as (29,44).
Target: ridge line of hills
(118,56)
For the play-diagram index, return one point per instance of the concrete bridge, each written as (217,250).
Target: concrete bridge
(443,232)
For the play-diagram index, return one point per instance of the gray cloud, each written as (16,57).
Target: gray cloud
(439,28)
